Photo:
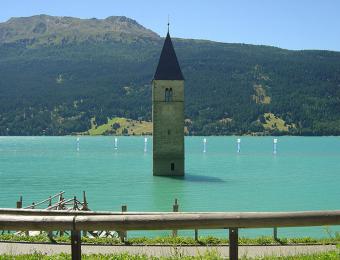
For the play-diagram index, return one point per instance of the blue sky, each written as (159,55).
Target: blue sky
(290,24)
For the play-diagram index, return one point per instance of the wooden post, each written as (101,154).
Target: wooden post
(50,233)
(85,205)
(84,208)
(175,208)
(123,234)
(50,201)
(196,234)
(59,207)
(75,207)
(75,245)
(275,233)
(19,203)
(233,243)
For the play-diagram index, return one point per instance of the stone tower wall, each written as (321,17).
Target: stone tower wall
(168,128)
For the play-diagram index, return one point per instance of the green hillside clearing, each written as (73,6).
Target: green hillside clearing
(121,126)
(274,122)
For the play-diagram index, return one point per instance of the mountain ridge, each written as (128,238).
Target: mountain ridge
(44,29)
(61,85)
(115,20)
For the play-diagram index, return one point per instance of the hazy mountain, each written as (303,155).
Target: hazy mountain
(60,74)
(44,29)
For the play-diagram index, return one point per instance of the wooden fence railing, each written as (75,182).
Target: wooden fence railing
(75,222)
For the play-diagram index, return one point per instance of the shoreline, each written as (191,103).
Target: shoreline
(80,135)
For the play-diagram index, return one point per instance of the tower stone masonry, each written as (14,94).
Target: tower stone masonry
(168,114)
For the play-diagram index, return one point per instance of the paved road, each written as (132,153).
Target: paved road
(250,251)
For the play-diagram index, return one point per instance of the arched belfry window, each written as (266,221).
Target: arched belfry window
(170,94)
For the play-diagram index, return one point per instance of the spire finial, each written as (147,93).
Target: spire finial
(168,23)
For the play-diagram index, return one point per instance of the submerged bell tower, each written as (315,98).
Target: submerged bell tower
(168,114)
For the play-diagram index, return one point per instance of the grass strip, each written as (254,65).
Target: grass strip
(209,255)
(208,240)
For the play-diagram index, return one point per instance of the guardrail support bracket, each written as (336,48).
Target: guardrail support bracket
(76,245)
(233,243)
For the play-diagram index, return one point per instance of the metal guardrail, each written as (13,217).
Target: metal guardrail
(48,212)
(21,219)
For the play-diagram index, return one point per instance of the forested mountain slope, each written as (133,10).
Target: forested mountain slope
(60,74)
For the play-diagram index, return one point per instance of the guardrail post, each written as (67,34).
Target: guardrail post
(84,208)
(233,243)
(275,233)
(123,234)
(196,234)
(50,233)
(75,245)
(19,206)
(175,208)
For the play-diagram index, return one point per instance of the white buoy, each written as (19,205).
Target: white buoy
(78,139)
(274,146)
(204,145)
(238,145)
(116,143)
(145,144)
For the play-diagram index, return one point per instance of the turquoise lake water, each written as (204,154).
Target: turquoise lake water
(303,175)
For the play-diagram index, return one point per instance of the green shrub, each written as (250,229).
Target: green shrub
(209,240)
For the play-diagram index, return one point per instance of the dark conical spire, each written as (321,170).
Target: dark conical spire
(168,67)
